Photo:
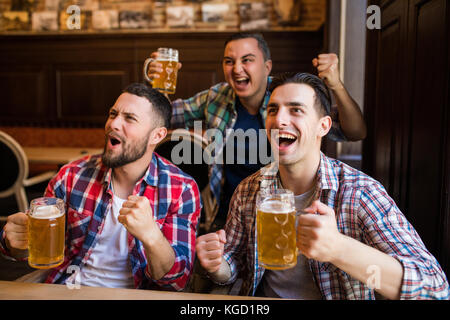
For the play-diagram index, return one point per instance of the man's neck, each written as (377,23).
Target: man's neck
(251,107)
(253,104)
(125,177)
(300,177)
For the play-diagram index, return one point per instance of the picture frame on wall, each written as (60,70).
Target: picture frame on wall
(134,19)
(14,21)
(180,16)
(105,19)
(214,12)
(22,5)
(254,16)
(52,5)
(44,21)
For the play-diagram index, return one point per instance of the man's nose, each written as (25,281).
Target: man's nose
(237,67)
(114,123)
(282,118)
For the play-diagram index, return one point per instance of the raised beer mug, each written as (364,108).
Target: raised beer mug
(46,233)
(275,229)
(167,81)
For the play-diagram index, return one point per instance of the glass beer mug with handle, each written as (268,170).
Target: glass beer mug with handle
(46,233)
(275,229)
(167,81)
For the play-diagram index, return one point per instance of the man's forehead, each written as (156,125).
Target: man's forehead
(130,103)
(293,92)
(242,47)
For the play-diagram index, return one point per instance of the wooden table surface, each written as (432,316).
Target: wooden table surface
(13,290)
(57,155)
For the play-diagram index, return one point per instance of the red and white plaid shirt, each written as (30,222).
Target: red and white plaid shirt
(364,211)
(85,187)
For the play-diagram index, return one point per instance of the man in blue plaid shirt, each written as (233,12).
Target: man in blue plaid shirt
(240,103)
(349,230)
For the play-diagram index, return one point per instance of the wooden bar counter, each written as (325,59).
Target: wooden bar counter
(12,290)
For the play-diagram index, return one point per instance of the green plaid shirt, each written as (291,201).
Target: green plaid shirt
(215,107)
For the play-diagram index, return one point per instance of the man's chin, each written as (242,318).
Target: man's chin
(285,160)
(110,161)
(242,93)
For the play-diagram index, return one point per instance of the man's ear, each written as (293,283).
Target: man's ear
(324,126)
(268,65)
(157,135)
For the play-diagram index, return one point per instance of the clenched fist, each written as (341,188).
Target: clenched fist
(137,216)
(327,65)
(210,249)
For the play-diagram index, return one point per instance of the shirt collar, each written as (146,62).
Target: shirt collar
(150,176)
(263,108)
(326,177)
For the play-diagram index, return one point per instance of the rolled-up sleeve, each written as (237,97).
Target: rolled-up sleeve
(235,230)
(387,229)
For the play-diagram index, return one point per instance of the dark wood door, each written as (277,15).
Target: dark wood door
(407,112)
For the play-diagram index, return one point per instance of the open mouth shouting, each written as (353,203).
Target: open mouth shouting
(241,83)
(284,140)
(113,141)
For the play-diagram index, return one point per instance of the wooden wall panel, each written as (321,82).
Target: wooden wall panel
(79,76)
(24,86)
(75,93)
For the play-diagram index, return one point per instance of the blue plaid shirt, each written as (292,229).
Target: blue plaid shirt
(364,211)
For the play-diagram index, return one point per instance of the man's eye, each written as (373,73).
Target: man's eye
(272,111)
(228,62)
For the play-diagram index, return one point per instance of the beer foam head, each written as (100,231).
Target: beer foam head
(46,212)
(275,206)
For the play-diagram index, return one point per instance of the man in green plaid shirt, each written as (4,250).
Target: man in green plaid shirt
(240,103)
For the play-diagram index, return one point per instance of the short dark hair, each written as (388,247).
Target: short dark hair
(159,101)
(262,44)
(322,101)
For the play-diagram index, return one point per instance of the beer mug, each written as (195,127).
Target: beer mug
(46,233)
(275,229)
(167,81)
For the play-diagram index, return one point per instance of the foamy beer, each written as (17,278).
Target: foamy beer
(167,81)
(46,230)
(275,229)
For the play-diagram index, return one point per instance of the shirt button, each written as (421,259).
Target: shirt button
(75,215)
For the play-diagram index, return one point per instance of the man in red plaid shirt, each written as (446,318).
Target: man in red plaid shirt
(131,214)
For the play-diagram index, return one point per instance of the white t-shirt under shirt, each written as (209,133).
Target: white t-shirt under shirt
(296,282)
(108,265)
